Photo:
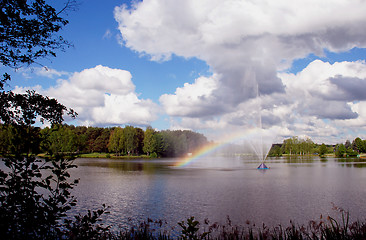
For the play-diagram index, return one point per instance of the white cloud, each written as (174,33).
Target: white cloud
(322,92)
(125,109)
(195,99)
(250,43)
(314,104)
(103,96)
(325,90)
(189,28)
(107,34)
(42,71)
(50,72)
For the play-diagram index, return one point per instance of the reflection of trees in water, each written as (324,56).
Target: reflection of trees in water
(122,165)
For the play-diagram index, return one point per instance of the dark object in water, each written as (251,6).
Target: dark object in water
(263,166)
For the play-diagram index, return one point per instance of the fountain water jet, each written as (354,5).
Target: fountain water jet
(261,147)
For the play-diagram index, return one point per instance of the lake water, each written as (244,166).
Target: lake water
(216,187)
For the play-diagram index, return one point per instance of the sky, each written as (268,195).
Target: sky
(290,67)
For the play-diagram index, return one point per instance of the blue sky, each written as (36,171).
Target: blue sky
(197,64)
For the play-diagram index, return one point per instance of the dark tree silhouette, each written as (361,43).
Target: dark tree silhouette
(28,31)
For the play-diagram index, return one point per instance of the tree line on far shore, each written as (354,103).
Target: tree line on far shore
(126,141)
(299,146)
(135,141)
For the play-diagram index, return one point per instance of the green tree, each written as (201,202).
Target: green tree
(167,143)
(160,144)
(323,149)
(81,138)
(275,150)
(289,145)
(139,141)
(180,145)
(310,145)
(358,145)
(4,139)
(92,133)
(295,145)
(101,142)
(347,144)
(130,134)
(194,140)
(340,150)
(116,141)
(150,143)
(58,139)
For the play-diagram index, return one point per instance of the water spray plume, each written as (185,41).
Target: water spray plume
(237,137)
(253,137)
(260,148)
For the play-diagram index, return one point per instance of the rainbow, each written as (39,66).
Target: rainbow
(209,148)
(205,150)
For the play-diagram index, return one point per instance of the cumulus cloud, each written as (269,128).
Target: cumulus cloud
(325,90)
(349,88)
(249,45)
(193,100)
(318,101)
(330,93)
(238,36)
(103,96)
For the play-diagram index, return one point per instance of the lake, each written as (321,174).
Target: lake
(299,189)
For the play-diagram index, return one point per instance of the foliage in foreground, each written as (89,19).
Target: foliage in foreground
(192,229)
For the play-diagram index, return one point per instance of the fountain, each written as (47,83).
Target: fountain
(261,147)
(263,166)
(261,144)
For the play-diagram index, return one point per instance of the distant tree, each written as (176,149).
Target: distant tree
(115,143)
(81,138)
(275,151)
(309,146)
(290,145)
(180,145)
(139,140)
(150,144)
(161,146)
(4,139)
(347,144)
(101,142)
(166,146)
(358,145)
(130,134)
(194,140)
(340,150)
(351,153)
(92,133)
(58,139)
(323,149)
(295,145)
